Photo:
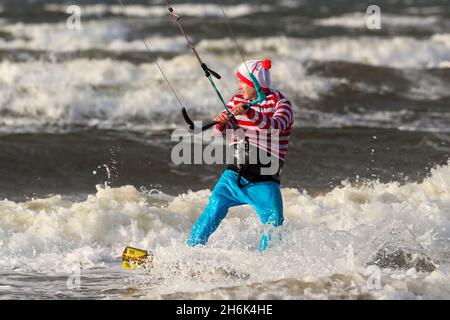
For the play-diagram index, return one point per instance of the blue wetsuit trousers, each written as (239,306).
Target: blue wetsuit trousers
(264,197)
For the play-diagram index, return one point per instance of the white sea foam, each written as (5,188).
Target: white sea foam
(185,9)
(38,96)
(105,93)
(44,96)
(422,10)
(358,20)
(397,52)
(323,237)
(400,120)
(107,35)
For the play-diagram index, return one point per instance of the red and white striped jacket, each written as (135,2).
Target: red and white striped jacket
(267,125)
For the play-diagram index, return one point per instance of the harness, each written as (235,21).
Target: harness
(248,163)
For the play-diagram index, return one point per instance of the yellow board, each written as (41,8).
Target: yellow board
(132,258)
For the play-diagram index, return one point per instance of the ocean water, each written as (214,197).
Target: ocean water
(85,151)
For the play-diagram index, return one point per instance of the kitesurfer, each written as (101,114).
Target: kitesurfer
(264,133)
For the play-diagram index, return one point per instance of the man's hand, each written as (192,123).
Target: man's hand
(239,109)
(222,118)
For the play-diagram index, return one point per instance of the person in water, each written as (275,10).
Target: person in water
(261,138)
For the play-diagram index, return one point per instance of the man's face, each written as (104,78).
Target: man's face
(247,91)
